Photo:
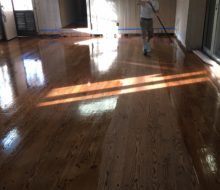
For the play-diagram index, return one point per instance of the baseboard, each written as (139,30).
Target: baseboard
(205,58)
(181,45)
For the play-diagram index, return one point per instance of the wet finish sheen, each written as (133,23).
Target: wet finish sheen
(87,114)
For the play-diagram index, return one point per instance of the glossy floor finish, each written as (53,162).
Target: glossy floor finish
(87,114)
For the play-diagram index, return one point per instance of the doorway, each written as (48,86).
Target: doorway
(24,17)
(211,42)
(73,13)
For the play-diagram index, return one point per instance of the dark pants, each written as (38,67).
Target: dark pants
(147,28)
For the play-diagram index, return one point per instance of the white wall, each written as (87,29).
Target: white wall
(167,13)
(182,9)
(107,13)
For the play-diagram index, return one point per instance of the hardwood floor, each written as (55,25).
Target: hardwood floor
(84,114)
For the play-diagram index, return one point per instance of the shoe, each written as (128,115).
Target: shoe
(145,49)
(148,48)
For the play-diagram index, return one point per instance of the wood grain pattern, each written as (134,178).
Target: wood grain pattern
(81,113)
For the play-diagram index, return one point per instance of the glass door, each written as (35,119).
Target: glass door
(216,48)
(2,33)
(211,42)
(209,23)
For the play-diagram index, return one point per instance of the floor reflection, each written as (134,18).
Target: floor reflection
(6,91)
(103,54)
(11,140)
(215,71)
(34,72)
(91,90)
(210,161)
(97,107)
(121,86)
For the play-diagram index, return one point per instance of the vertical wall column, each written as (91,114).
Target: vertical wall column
(8,19)
(190,18)
(48,15)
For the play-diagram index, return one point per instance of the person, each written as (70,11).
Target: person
(146,22)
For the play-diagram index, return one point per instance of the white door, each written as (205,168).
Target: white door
(104,16)
(8,19)
(48,15)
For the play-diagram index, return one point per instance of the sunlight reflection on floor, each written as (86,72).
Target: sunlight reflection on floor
(124,86)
